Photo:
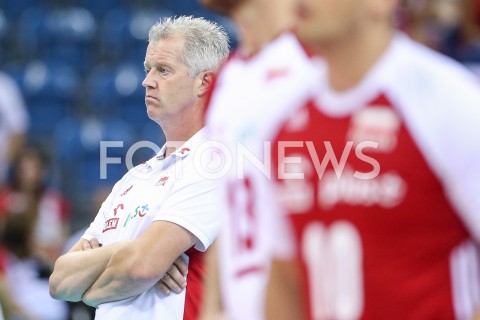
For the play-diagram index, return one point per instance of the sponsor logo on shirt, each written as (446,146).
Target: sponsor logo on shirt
(184,150)
(126,191)
(110,224)
(162,181)
(273,74)
(387,190)
(140,212)
(375,123)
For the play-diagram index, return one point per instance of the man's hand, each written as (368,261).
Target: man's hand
(137,266)
(75,271)
(92,244)
(174,279)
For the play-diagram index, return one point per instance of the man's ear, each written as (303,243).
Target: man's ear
(206,79)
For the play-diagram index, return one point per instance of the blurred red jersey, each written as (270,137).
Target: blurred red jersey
(381,187)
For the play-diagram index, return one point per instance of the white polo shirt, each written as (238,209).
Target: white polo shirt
(172,189)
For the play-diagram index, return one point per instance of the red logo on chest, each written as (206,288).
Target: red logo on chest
(162,181)
(276,73)
(126,191)
(110,224)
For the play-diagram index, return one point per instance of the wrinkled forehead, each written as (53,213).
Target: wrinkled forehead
(222,6)
(174,44)
(166,50)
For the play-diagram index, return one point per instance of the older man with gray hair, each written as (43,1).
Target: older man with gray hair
(161,215)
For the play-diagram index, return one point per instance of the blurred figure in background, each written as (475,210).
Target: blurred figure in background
(263,80)
(28,188)
(381,186)
(34,220)
(25,272)
(449,26)
(13,123)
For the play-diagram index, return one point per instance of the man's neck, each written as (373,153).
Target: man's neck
(177,138)
(258,24)
(179,130)
(350,59)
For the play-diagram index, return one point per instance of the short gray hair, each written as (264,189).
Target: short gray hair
(206,42)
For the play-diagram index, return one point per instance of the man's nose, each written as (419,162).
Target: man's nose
(148,81)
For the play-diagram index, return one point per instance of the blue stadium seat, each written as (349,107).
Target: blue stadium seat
(128,83)
(14,8)
(116,40)
(31,32)
(110,87)
(102,95)
(135,115)
(131,106)
(67,141)
(50,81)
(43,115)
(78,144)
(184,7)
(79,139)
(69,36)
(4,32)
(88,172)
(101,7)
(50,90)
(16,70)
(114,129)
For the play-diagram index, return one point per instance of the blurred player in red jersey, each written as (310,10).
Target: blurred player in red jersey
(379,176)
(268,75)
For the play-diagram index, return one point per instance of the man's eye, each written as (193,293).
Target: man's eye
(147,71)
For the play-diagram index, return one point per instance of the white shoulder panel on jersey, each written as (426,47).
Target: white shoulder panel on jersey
(440,101)
(283,65)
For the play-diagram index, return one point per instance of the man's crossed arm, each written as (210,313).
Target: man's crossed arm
(123,269)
